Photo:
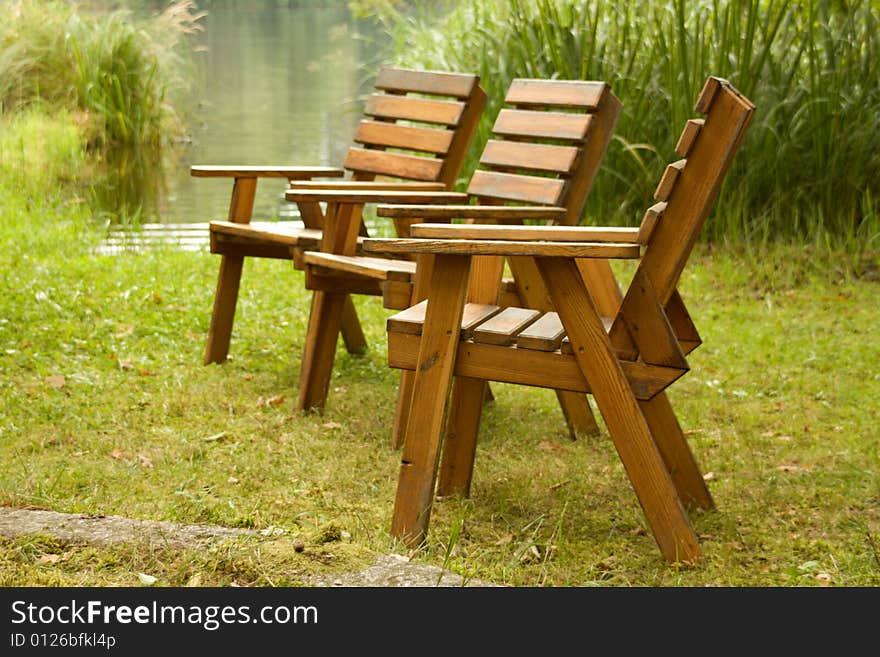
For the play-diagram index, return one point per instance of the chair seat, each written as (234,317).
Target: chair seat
(267,239)
(516,345)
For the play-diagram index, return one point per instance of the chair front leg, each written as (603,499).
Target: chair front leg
(241,208)
(433,376)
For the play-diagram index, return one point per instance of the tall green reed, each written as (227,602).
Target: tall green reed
(811,162)
(120,71)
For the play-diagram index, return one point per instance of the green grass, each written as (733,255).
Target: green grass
(105,408)
(811,160)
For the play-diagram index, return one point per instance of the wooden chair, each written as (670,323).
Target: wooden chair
(380,149)
(626,355)
(547,150)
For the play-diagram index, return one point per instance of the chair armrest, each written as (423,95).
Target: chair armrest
(367,185)
(366,196)
(248,171)
(503,248)
(626,235)
(495,212)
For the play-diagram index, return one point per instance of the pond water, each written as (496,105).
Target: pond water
(277,85)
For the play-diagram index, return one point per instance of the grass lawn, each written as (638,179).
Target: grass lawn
(105,408)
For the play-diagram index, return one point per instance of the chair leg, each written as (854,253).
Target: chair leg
(534,294)
(629,430)
(676,453)
(578,415)
(433,376)
(225,298)
(401,412)
(241,207)
(460,442)
(352,333)
(319,352)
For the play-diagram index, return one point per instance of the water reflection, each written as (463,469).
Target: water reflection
(279,85)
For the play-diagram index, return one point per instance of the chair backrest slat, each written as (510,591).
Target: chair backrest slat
(533,124)
(407,108)
(532,190)
(576,117)
(504,155)
(397,165)
(432,151)
(696,186)
(394,135)
(436,83)
(574,94)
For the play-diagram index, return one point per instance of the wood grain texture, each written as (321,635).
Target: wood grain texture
(411,320)
(516,187)
(503,247)
(503,328)
(667,182)
(543,335)
(542,369)
(377,133)
(515,124)
(367,196)
(398,165)
(383,269)
(437,350)
(688,137)
(423,110)
(477,212)
(439,83)
(619,407)
(575,94)
(249,171)
(526,233)
(369,185)
(649,221)
(512,155)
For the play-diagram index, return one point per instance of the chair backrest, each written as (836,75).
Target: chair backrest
(549,144)
(428,118)
(688,189)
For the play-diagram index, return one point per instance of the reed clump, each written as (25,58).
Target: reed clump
(812,158)
(117,76)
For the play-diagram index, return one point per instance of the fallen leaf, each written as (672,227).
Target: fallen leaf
(194,581)
(145,461)
(638,531)
(275,401)
(49,558)
(547,446)
(232,480)
(216,436)
(157,298)
(148,580)
(194,337)
(125,364)
(709,476)
(794,467)
(823,577)
(124,330)
(504,540)
(27,344)
(332,425)
(56,381)
(145,372)
(117,454)
(768,434)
